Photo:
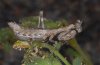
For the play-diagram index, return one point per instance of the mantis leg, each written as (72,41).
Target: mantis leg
(41,21)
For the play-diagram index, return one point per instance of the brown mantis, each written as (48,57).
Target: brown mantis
(61,34)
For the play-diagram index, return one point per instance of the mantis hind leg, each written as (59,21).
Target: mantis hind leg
(41,21)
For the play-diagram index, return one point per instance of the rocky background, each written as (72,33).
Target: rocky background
(86,10)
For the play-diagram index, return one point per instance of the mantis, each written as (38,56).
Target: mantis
(61,34)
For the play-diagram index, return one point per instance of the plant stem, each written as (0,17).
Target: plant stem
(75,45)
(52,49)
(57,54)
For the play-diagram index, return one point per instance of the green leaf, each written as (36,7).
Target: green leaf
(57,45)
(6,38)
(77,61)
(7,47)
(46,61)
(32,22)
(72,52)
(29,22)
(6,35)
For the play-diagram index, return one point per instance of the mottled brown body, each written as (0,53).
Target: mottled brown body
(63,34)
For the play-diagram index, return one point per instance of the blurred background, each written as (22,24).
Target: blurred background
(86,10)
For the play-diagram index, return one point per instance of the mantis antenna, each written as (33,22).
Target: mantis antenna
(41,21)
